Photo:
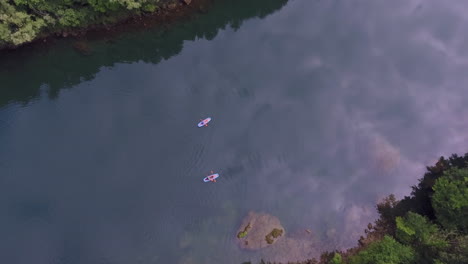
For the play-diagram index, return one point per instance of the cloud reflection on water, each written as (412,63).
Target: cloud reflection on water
(321,109)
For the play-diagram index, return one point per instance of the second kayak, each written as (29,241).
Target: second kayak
(211,178)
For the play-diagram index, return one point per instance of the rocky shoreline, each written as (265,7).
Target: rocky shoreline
(259,230)
(262,231)
(406,231)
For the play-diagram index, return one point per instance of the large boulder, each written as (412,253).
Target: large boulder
(259,230)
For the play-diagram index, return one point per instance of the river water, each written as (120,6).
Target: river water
(320,109)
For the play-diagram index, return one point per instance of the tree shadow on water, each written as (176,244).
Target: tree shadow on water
(23,73)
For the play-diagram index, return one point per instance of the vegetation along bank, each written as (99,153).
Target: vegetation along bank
(428,227)
(26,21)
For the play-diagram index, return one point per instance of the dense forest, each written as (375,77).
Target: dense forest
(428,227)
(22,21)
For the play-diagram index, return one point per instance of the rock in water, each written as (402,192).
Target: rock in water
(82,47)
(259,230)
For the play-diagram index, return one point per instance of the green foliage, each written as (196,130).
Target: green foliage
(70,17)
(386,251)
(22,21)
(150,7)
(418,232)
(457,253)
(450,200)
(336,259)
(29,2)
(17,27)
(113,5)
(415,229)
(242,234)
(420,200)
(131,4)
(273,234)
(104,6)
(404,232)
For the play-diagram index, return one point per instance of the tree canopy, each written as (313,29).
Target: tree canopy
(428,227)
(386,251)
(22,21)
(450,200)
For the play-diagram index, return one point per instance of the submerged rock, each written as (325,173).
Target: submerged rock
(259,230)
(82,47)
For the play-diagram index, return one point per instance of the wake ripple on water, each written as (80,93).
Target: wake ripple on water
(195,159)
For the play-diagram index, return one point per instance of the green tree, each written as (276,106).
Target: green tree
(416,229)
(336,259)
(420,199)
(425,237)
(104,6)
(17,27)
(457,253)
(450,200)
(386,251)
(71,17)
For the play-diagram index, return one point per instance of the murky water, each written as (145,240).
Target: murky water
(319,109)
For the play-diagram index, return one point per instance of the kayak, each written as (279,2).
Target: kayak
(211,177)
(204,122)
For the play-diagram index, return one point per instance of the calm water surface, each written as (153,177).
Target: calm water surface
(320,108)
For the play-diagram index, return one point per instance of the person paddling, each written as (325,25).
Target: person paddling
(204,122)
(212,179)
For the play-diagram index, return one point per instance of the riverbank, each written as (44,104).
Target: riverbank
(429,226)
(124,42)
(35,24)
